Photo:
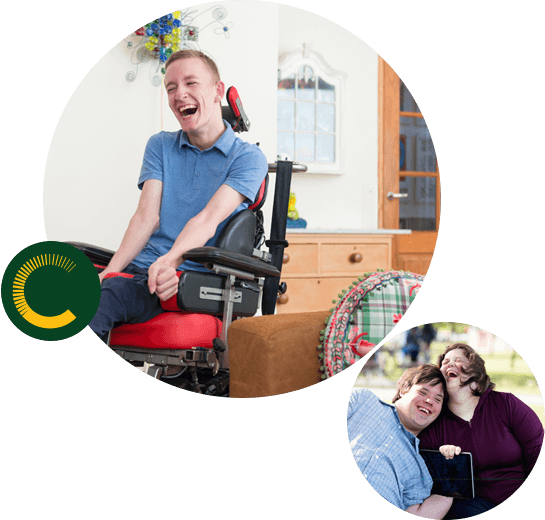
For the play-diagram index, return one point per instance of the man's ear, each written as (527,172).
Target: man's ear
(220,91)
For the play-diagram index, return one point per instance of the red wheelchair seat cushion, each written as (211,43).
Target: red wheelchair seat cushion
(169,330)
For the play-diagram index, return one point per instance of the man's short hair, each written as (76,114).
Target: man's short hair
(193,53)
(427,373)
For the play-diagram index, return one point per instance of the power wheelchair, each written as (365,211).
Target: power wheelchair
(187,346)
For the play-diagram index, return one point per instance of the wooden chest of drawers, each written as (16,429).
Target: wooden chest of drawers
(318,266)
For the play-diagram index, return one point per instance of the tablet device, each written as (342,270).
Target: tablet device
(451,478)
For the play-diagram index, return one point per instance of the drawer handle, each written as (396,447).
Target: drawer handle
(356,258)
(286,258)
(283,299)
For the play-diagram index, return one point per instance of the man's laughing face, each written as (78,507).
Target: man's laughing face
(420,406)
(193,96)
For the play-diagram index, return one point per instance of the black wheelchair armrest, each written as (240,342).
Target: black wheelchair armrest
(204,293)
(210,256)
(97,255)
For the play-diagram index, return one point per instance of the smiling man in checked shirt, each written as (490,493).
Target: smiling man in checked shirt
(384,443)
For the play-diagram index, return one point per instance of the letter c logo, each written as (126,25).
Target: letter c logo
(50,291)
(44,322)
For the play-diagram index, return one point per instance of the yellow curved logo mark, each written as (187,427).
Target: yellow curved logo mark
(44,322)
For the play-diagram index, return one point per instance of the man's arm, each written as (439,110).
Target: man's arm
(435,506)
(201,228)
(143,223)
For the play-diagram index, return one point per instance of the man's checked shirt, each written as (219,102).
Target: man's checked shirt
(386,453)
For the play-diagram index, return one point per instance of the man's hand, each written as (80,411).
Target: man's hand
(435,506)
(163,280)
(450,451)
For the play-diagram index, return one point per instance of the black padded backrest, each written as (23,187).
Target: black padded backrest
(238,234)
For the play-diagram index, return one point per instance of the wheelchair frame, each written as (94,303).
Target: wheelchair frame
(216,360)
(208,368)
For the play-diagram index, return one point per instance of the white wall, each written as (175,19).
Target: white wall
(94,161)
(347,201)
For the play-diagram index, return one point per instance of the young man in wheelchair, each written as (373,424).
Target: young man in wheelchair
(192,182)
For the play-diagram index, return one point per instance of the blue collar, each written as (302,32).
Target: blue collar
(223,144)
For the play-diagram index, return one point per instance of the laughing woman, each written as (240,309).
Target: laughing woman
(503,434)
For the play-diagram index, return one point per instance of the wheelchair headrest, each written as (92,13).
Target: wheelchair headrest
(234,113)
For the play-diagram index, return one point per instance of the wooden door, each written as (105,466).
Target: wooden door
(409,191)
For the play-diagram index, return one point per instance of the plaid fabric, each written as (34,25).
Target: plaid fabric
(364,316)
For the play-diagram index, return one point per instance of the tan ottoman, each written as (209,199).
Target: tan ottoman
(271,355)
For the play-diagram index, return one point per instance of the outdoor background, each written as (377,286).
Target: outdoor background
(505,367)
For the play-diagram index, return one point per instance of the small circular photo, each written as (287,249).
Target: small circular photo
(446,421)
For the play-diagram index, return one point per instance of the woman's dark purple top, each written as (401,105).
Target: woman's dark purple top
(504,437)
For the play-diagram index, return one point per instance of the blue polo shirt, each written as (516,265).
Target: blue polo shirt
(386,453)
(190,178)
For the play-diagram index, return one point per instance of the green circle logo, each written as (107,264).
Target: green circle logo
(50,291)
